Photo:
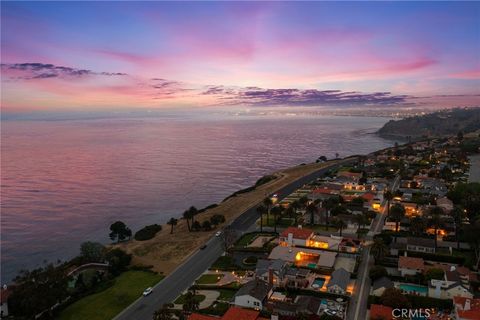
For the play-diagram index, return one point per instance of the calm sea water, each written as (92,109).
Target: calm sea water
(64,182)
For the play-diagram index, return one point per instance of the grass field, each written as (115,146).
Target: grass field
(181,300)
(108,303)
(209,278)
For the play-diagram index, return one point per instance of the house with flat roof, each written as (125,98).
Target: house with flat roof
(253,294)
(380,285)
(304,257)
(339,281)
(421,245)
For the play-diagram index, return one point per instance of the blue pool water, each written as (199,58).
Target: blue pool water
(318,282)
(411,288)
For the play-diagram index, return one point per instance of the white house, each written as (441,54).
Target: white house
(253,294)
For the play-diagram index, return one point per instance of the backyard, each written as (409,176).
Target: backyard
(106,304)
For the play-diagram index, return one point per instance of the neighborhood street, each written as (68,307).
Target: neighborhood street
(184,276)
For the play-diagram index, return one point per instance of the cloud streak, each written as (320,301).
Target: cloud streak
(36,70)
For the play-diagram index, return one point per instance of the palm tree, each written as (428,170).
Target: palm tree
(277,210)
(267,202)
(387,195)
(311,209)
(295,205)
(340,224)
(261,209)
(458,215)
(193,213)
(417,226)
(361,220)
(172,222)
(436,221)
(164,313)
(329,204)
(187,215)
(396,214)
(378,250)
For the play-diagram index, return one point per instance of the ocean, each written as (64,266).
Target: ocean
(64,182)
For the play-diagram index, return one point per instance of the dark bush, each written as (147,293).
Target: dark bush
(147,232)
(264,179)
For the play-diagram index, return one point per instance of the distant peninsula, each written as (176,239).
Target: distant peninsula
(436,124)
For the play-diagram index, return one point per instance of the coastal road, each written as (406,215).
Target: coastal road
(184,276)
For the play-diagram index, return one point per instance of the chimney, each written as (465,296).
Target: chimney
(270,276)
(290,239)
(405,253)
(299,226)
(467,305)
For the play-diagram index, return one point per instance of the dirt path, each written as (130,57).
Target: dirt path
(166,251)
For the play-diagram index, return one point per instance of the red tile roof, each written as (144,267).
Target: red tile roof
(410,263)
(368,196)
(236,313)
(474,311)
(380,312)
(298,233)
(197,316)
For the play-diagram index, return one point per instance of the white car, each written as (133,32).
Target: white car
(147,291)
(218,233)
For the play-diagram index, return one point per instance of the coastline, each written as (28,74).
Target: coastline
(165,252)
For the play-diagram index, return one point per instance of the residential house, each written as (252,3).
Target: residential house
(309,305)
(381,312)
(233,313)
(339,281)
(253,294)
(466,308)
(271,271)
(304,257)
(453,284)
(421,245)
(293,236)
(410,265)
(380,285)
(349,245)
(296,277)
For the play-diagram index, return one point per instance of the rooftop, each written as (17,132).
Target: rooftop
(410,263)
(467,308)
(380,312)
(298,233)
(256,288)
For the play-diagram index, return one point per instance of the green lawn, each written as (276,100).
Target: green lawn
(226,295)
(108,303)
(209,278)
(282,222)
(246,239)
(181,300)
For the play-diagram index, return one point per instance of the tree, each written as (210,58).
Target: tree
(261,209)
(393,297)
(172,222)
(118,260)
(164,313)
(458,215)
(193,213)
(37,290)
(340,224)
(311,210)
(397,213)
(196,226)
(217,219)
(92,251)
(267,202)
(119,231)
(436,221)
(329,204)
(417,226)
(470,233)
(376,272)
(206,225)
(378,250)
(362,220)
(434,273)
(387,195)
(187,215)
(295,206)
(228,236)
(276,211)
(191,303)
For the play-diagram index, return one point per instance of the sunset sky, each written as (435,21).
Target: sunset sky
(121,55)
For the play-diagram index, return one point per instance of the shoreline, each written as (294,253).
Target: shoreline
(165,252)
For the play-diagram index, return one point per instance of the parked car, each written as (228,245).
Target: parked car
(147,291)
(218,233)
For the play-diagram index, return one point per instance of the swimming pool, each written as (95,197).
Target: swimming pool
(318,283)
(414,289)
(311,265)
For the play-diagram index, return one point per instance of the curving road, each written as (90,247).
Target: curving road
(184,276)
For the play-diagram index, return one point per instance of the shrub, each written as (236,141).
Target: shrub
(265,179)
(147,232)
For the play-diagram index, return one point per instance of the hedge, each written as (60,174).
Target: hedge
(147,232)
